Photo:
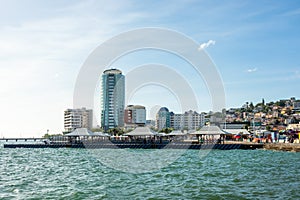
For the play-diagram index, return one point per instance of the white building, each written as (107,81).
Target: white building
(177,121)
(295,127)
(135,115)
(193,120)
(78,118)
(296,106)
(190,120)
(150,123)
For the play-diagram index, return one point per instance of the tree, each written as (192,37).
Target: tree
(251,106)
(128,130)
(166,130)
(280,103)
(97,129)
(258,105)
(154,129)
(47,135)
(115,131)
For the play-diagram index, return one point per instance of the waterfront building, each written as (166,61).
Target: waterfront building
(163,118)
(193,120)
(135,115)
(150,123)
(190,120)
(78,118)
(216,119)
(234,125)
(112,99)
(176,121)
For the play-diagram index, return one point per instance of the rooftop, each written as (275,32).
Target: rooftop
(112,71)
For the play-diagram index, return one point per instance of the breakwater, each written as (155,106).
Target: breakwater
(294,147)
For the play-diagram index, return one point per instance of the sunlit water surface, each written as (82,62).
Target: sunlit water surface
(78,174)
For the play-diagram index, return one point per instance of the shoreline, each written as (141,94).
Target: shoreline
(227,145)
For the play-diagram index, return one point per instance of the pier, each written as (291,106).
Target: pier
(21,139)
(137,145)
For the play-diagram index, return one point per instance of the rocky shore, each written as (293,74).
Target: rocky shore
(293,147)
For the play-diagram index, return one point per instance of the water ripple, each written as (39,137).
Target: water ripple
(76,174)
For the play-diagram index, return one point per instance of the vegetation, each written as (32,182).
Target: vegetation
(154,129)
(166,130)
(97,129)
(47,135)
(116,131)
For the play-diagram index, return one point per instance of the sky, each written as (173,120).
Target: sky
(254,45)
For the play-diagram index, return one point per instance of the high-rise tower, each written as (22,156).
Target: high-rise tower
(113,99)
(163,118)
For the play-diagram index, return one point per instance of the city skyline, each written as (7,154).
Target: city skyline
(253,44)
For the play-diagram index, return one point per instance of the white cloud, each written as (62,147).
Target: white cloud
(40,59)
(207,44)
(252,70)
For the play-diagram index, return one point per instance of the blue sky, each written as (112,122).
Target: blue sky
(255,46)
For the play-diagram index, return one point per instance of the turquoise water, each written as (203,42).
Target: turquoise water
(78,174)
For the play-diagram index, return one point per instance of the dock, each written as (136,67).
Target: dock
(111,145)
(21,139)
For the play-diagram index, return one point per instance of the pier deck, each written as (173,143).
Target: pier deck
(21,139)
(141,146)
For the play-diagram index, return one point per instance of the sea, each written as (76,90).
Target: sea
(148,174)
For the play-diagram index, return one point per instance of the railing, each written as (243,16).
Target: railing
(21,139)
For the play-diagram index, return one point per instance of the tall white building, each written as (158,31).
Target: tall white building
(112,99)
(78,118)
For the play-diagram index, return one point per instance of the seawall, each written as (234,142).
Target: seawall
(294,147)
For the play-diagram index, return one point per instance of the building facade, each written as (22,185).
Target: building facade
(296,106)
(176,121)
(78,118)
(112,99)
(135,115)
(163,118)
(190,120)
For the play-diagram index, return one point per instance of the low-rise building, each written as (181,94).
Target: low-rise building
(176,121)
(135,115)
(296,106)
(295,127)
(190,120)
(78,118)
(240,125)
